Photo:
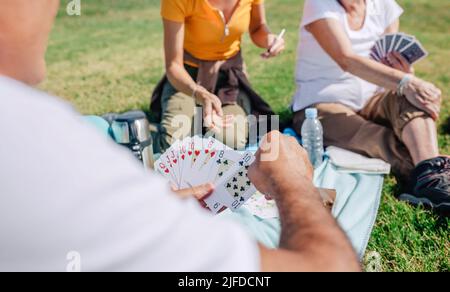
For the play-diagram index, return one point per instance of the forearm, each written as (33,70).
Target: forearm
(309,229)
(373,71)
(260,36)
(180,79)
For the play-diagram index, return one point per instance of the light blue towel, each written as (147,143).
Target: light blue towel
(356,207)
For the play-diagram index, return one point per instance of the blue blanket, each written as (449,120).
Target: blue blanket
(356,207)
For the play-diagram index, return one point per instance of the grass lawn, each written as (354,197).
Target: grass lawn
(110,58)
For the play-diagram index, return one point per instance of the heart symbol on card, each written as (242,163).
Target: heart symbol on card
(190,153)
(197,153)
(183,156)
(175,161)
(167,170)
(206,151)
(213,154)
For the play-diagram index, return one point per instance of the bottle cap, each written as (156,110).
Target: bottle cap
(311,113)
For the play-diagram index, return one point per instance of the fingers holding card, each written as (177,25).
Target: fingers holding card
(196,161)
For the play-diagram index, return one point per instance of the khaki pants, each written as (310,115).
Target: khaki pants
(375,131)
(179,111)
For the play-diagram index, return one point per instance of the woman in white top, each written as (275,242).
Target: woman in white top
(379,109)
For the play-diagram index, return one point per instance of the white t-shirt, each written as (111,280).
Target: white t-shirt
(71,198)
(319,78)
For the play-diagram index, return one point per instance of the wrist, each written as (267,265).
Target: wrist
(302,190)
(406,80)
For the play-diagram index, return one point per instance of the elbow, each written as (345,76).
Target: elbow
(345,62)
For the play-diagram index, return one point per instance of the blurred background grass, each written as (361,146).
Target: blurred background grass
(110,58)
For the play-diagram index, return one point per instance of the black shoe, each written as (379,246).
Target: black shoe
(431,185)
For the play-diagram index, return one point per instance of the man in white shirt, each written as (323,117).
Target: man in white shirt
(68,193)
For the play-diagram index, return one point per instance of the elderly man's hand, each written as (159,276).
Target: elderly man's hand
(280,164)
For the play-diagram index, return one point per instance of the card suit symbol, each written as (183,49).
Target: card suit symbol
(190,153)
(235,187)
(175,161)
(197,153)
(242,189)
(183,156)
(228,186)
(226,162)
(166,170)
(236,195)
(242,199)
(247,167)
(249,183)
(219,161)
(241,163)
(213,154)
(220,174)
(235,179)
(207,151)
(241,173)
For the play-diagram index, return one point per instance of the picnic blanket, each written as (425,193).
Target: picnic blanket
(356,207)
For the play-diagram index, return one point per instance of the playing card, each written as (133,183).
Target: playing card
(234,188)
(379,49)
(414,52)
(171,158)
(397,38)
(388,40)
(403,43)
(193,146)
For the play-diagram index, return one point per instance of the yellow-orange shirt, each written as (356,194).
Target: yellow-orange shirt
(205,31)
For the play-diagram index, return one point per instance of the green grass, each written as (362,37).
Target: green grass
(110,58)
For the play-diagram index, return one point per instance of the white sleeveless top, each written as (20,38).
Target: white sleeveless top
(319,78)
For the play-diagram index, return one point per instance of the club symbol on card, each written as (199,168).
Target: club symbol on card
(242,189)
(241,163)
(235,187)
(220,174)
(249,183)
(235,179)
(242,199)
(229,185)
(219,161)
(236,195)
(241,173)
(226,162)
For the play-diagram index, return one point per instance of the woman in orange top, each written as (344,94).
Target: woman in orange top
(202,41)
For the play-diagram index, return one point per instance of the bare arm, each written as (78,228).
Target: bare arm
(333,39)
(311,240)
(180,78)
(260,32)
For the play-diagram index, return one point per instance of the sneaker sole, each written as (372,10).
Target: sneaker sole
(445,207)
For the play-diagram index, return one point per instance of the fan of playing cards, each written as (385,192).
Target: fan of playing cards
(408,46)
(196,161)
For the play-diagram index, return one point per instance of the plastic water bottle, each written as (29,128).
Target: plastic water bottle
(312,136)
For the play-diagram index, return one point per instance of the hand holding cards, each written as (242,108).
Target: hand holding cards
(408,47)
(196,161)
